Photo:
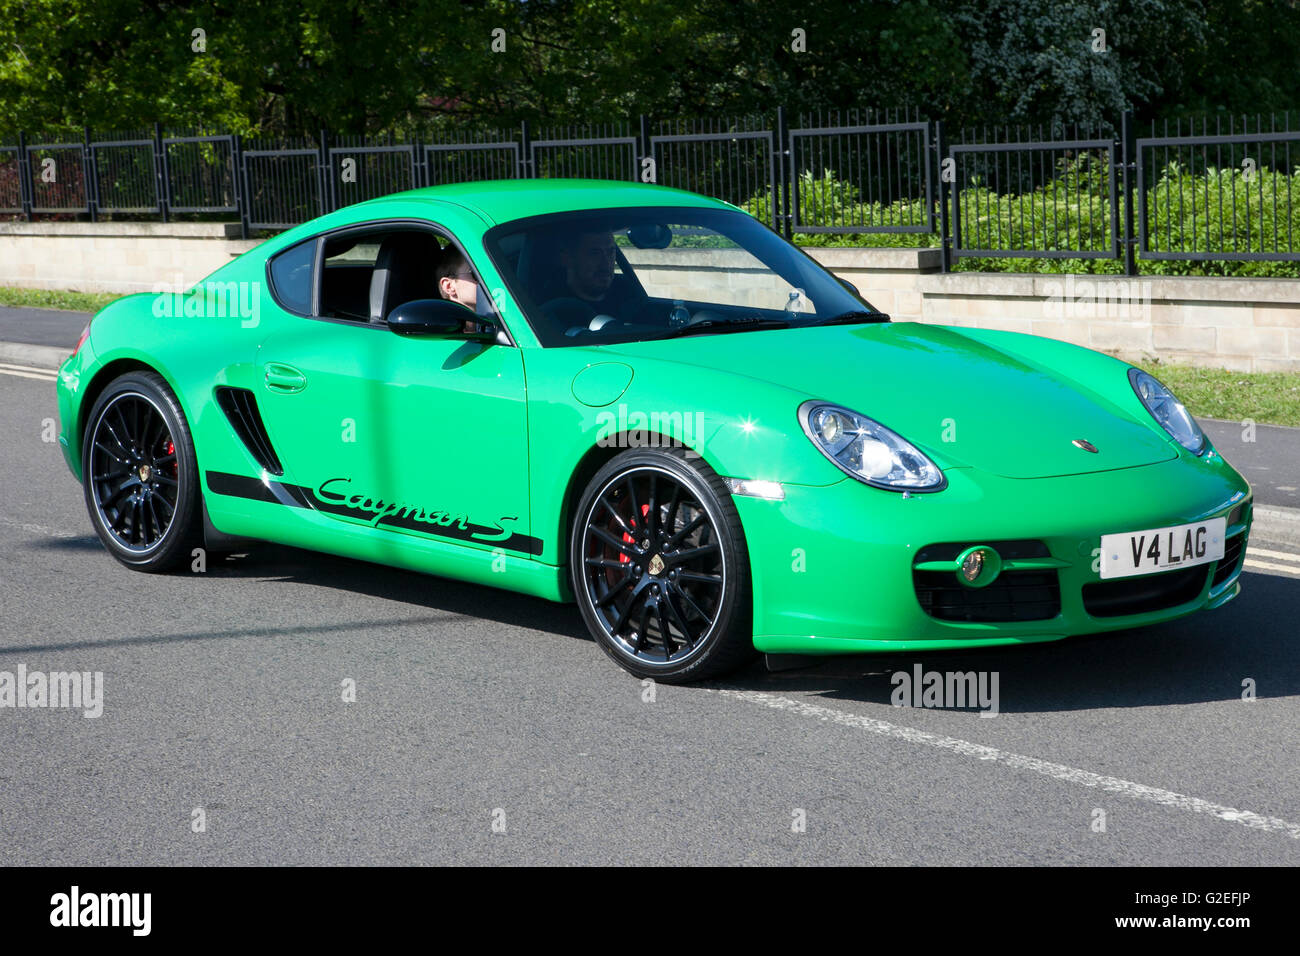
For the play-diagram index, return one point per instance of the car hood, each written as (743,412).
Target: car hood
(961,401)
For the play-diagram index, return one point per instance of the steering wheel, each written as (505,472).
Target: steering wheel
(571,311)
(584,318)
(597,323)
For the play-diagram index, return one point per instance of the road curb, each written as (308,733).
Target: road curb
(37,356)
(1237,424)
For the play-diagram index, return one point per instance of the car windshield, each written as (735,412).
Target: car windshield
(625,275)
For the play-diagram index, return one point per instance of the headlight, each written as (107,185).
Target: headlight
(867,450)
(1168,411)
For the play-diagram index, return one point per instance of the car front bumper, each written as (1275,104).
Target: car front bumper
(833,566)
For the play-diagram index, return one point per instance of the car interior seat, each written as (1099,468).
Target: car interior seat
(405,269)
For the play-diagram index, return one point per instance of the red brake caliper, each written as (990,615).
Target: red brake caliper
(628,539)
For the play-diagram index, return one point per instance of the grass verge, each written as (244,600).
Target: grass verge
(56,299)
(1271,398)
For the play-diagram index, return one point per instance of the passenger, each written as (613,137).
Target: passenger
(456,282)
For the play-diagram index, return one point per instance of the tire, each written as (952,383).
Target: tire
(140,475)
(680,609)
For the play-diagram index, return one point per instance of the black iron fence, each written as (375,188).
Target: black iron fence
(1226,194)
(1008,193)
(1204,191)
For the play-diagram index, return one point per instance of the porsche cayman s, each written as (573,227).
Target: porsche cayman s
(646,402)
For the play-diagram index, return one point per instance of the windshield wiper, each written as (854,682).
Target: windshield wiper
(727,325)
(852,318)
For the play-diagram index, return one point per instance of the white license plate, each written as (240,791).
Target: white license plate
(1162,549)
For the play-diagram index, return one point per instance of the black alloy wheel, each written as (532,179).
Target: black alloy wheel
(139,474)
(660,568)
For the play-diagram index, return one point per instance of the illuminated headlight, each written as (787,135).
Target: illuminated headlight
(1172,416)
(757,488)
(867,450)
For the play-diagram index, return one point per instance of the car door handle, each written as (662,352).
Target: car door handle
(284,378)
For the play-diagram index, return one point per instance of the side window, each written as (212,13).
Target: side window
(291,275)
(367,274)
(347,275)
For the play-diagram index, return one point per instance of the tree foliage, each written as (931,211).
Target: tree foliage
(368,65)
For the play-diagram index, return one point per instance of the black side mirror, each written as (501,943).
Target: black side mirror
(428,317)
(850,286)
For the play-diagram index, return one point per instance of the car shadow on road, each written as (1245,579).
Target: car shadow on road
(1204,657)
(283,563)
(84,543)
(444,598)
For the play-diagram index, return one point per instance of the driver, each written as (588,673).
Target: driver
(588,261)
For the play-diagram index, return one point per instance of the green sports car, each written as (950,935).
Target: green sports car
(647,402)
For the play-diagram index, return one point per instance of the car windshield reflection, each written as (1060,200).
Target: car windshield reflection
(621,275)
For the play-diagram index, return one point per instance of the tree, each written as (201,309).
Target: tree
(368,65)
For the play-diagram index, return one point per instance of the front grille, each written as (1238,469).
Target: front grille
(1008,550)
(1030,595)
(1156,592)
(1231,559)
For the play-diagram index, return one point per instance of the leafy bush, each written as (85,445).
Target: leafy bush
(1223,210)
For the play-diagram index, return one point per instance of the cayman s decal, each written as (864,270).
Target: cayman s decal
(334,496)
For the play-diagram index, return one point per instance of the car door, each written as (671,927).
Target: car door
(417,436)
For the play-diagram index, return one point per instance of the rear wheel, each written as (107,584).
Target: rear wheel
(660,568)
(140,475)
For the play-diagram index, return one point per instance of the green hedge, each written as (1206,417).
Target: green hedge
(1218,209)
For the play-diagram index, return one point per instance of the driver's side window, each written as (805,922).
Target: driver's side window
(366,275)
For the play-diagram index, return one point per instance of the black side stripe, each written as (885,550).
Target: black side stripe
(241,486)
(296,496)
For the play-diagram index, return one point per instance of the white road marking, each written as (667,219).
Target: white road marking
(30,368)
(1282,555)
(1269,566)
(29,371)
(1085,778)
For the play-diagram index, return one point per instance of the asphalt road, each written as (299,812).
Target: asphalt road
(223,692)
(51,327)
(1268,456)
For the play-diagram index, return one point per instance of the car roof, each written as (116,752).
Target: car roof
(503,200)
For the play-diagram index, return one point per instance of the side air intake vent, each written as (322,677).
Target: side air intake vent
(240,407)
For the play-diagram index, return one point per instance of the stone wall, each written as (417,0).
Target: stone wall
(114,256)
(1249,325)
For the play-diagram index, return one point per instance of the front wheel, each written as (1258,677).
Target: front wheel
(140,475)
(660,568)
